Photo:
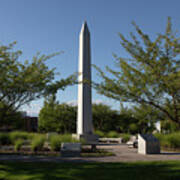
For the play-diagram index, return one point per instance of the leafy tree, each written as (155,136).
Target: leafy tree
(55,117)
(61,118)
(146,117)
(168,126)
(150,76)
(13,119)
(127,122)
(21,83)
(104,118)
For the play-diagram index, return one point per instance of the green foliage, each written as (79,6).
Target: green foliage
(8,138)
(68,138)
(10,119)
(128,122)
(99,133)
(169,140)
(5,139)
(146,117)
(55,117)
(133,128)
(55,143)
(112,134)
(56,140)
(18,144)
(151,74)
(22,83)
(16,135)
(61,118)
(125,137)
(37,143)
(104,118)
(168,126)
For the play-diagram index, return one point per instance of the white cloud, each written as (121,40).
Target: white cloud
(95,101)
(72,103)
(32,109)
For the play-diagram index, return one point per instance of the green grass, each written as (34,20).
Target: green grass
(167,170)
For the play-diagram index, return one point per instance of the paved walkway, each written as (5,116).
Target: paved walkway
(123,154)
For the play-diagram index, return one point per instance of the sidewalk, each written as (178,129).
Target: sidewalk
(123,154)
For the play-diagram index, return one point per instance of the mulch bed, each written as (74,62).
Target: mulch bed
(25,150)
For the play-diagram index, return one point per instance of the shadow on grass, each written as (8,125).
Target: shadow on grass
(169,153)
(166,170)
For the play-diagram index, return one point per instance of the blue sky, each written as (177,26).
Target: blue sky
(49,26)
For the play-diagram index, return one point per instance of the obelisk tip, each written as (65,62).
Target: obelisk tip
(84,27)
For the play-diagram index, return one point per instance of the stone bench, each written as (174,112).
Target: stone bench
(111,140)
(70,149)
(133,142)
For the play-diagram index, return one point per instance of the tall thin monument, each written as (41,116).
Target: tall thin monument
(84,118)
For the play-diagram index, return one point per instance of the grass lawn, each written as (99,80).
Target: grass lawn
(167,170)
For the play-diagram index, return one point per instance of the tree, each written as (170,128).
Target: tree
(55,117)
(13,119)
(150,76)
(146,117)
(21,83)
(168,126)
(104,118)
(128,123)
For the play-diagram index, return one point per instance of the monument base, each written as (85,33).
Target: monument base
(89,138)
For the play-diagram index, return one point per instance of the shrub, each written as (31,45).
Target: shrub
(169,140)
(82,141)
(113,134)
(99,133)
(16,135)
(55,142)
(174,140)
(125,137)
(68,138)
(18,144)
(37,143)
(5,139)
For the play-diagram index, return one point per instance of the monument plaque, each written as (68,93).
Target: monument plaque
(148,144)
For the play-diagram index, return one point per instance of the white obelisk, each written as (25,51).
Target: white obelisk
(84,118)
